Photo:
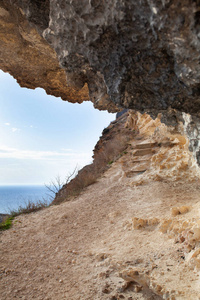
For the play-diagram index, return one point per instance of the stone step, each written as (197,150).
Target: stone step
(130,174)
(145,145)
(136,163)
(142,152)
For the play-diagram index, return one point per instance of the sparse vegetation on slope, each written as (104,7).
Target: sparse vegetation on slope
(29,207)
(6,224)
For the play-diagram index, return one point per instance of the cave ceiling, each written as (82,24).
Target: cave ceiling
(143,55)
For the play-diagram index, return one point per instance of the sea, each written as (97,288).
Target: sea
(13,196)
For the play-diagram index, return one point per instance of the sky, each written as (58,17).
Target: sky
(41,136)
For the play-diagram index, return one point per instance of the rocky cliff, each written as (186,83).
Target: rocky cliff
(29,58)
(133,232)
(147,149)
(142,55)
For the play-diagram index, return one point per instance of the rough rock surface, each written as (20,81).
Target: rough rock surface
(172,150)
(142,54)
(29,58)
(133,235)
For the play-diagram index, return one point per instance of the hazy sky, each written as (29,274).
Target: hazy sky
(42,136)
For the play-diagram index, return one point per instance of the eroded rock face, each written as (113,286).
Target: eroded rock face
(137,54)
(171,151)
(142,149)
(29,58)
(141,55)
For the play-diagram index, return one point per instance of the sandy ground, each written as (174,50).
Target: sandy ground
(128,236)
(87,248)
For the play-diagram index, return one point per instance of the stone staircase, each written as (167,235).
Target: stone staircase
(138,157)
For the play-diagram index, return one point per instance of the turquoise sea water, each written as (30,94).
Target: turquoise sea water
(13,196)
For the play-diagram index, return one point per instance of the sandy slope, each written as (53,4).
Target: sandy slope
(78,249)
(134,234)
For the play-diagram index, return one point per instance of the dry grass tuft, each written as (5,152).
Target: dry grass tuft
(29,207)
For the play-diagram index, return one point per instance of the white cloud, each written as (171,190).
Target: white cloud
(67,149)
(29,126)
(14,129)
(14,153)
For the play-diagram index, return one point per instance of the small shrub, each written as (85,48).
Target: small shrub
(110,162)
(85,177)
(56,185)
(6,224)
(29,207)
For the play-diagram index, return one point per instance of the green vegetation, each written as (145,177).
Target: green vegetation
(28,208)
(6,224)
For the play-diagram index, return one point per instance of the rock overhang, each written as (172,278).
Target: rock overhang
(142,55)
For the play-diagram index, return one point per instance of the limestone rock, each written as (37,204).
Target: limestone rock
(140,55)
(29,58)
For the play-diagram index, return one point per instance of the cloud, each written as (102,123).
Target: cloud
(14,129)
(29,126)
(67,149)
(14,153)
